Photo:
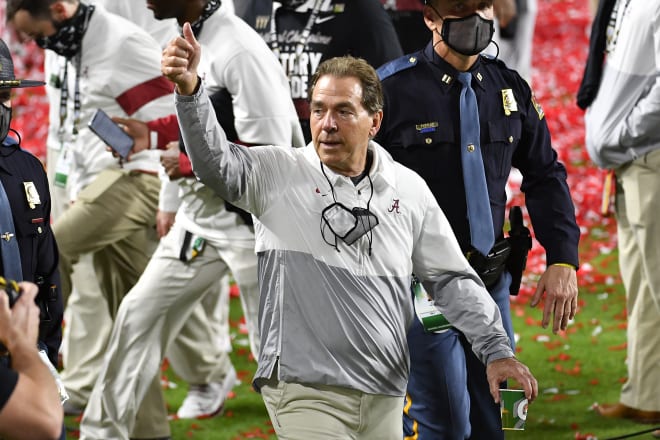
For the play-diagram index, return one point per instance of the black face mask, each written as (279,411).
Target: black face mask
(5,120)
(468,35)
(348,224)
(67,40)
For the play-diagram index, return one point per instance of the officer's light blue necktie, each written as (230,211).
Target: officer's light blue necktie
(11,257)
(474,177)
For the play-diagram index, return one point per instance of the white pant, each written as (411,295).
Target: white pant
(151,315)
(86,332)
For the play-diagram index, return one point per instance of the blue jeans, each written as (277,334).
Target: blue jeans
(448,396)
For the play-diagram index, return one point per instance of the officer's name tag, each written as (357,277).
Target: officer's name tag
(428,314)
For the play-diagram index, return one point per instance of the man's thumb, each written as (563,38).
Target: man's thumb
(188,33)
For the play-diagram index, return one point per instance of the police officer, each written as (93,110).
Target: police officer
(422,128)
(25,184)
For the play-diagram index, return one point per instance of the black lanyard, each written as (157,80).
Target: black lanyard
(304,35)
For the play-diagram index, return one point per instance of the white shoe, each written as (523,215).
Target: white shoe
(205,401)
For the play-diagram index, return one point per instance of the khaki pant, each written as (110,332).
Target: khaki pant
(303,412)
(638,216)
(113,218)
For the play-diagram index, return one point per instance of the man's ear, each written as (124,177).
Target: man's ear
(376,120)
(59,11)
(429,17)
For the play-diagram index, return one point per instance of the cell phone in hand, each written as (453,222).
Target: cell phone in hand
(111,133)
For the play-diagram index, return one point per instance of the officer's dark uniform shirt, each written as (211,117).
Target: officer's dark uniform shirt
(21,172)
(360,28)
(421,129)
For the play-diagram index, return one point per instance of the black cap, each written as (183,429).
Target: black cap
(7,77)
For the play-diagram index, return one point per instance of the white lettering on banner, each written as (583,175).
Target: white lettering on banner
(299,73)
(298,86)
(315,60)
(286,65)
(301,67)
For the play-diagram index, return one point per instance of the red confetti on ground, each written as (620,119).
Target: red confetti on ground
(255,433)
(243,374)
(531,321)
(234,292)
(575,371)
(622,315)
(619,347)
(553,345)
(242,326)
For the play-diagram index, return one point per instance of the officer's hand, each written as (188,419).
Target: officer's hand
(136,129)
(19,326)
(164,222)
(169,159)
(560,283)
(180,61)
(505,11)
(511,368)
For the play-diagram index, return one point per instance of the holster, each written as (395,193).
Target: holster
(490,267)
(520,241)
(509,253)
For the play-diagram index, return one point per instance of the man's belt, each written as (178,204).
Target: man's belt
(509,253)
(490,267)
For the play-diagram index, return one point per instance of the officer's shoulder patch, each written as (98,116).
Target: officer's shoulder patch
(537,107)
(397,65)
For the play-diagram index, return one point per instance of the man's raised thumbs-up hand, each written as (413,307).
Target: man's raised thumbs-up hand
(180,61)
